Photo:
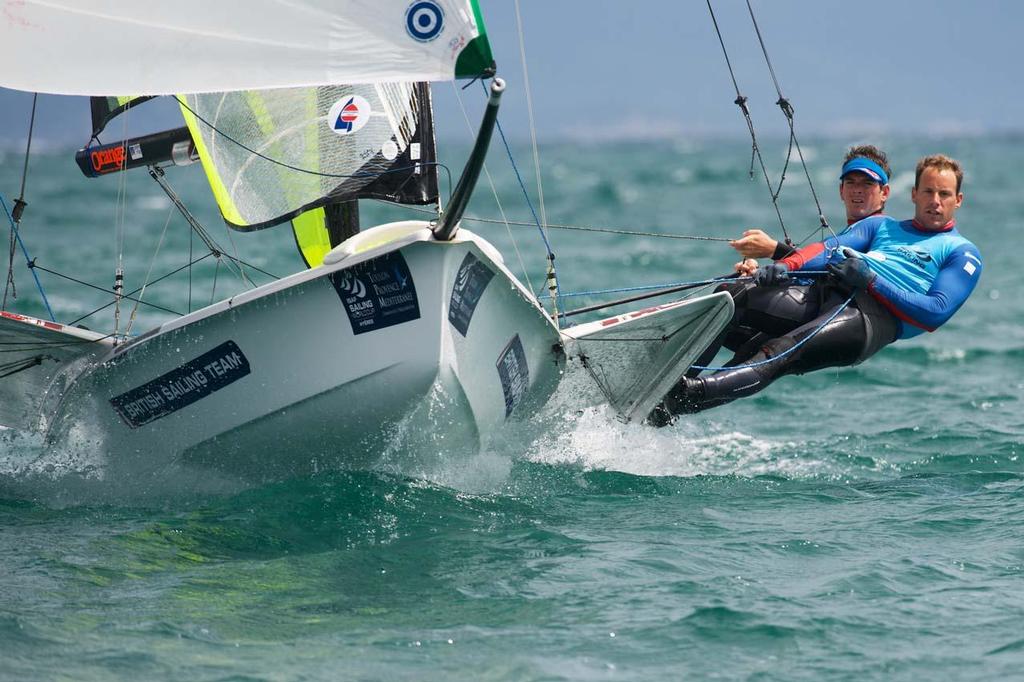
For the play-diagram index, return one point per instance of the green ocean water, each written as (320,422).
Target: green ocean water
(859,524)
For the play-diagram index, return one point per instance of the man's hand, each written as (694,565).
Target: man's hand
(746,267)
(773,273)
(852,271)
(755,244)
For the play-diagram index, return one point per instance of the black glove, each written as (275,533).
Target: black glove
(852,271)
(773,273)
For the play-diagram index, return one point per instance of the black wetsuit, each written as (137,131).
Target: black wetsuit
(771,320)
(922,277)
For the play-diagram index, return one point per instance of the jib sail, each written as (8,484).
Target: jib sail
(273,155)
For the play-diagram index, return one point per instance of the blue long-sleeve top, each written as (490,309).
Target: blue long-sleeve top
(923,277)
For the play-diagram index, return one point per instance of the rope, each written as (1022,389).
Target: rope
(133,292)
(519,178)
(99,288)
(783,354)
(552,274)
(788,111)
(120,231)
(145,282)
(607,230)
(580,228)
(29,261)
(494,192)
(19,205)
(741,102)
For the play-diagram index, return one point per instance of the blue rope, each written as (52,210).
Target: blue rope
(787,352)
(28,260)
(522,185)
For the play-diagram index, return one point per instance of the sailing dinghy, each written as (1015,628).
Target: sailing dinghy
(296,111)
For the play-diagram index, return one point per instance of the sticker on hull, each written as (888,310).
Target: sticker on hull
(513,373)
(378,293)
(470,282)
(182,386)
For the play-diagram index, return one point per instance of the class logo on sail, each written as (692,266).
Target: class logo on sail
(424,20)
(349,114)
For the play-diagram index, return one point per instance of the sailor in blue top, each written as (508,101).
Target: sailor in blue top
(863,190)
(904,277)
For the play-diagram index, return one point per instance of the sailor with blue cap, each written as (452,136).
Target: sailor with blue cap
(888,280)
(863,185)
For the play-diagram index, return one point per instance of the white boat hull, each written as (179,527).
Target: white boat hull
(297,375)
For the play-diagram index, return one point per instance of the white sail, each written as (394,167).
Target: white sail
(153,47)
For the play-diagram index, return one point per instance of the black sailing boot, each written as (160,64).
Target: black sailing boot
(684,398)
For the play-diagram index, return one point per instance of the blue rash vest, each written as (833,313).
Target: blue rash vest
(923,276)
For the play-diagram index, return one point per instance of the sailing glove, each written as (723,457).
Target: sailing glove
(852,271)
(773,273)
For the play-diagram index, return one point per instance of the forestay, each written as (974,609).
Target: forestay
(111,47)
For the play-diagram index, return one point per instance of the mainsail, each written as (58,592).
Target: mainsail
(138,47)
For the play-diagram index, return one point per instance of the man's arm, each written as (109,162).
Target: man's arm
(756,243)
(954,283)
(819,254)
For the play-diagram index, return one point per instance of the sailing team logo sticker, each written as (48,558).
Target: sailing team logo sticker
(378,293)
(424,20)
(349,114)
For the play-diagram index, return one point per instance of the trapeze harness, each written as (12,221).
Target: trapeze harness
(923,279)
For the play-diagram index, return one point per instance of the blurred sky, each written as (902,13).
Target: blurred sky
(608,69)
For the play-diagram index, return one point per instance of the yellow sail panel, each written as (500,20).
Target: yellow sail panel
(224,201)
(312,237)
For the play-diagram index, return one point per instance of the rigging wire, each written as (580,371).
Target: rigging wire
(158,175)
(552,275)
(120,213)
(741,102)
(145,282)
(19,206)
(494,192)
(191,240)
(99,288)
(607,230)
(134,291)
(581,228)
(30,262)
(788,112)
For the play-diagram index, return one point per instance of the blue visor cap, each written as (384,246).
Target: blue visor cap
(860,164)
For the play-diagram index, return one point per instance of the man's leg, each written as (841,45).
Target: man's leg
(760,310)
(841,342)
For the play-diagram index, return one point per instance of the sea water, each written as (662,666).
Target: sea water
(861,523)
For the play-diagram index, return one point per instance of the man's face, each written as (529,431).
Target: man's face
(862,195)
(935,198)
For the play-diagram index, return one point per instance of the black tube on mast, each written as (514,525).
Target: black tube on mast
(449,223)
